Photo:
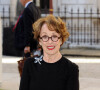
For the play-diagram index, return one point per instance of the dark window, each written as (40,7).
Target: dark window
(44,6)
(34,1)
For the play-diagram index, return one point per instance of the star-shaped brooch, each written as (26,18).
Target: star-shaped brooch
(38,59)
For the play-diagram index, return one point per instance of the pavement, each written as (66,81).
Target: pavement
(88,61)
(81,52)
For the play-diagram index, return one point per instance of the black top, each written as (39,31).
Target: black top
(61,75)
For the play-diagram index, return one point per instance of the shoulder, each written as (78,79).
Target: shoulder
(29,60)
(31,6)
(69,64)
(71,68)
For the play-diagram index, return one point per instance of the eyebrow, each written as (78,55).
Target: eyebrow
(43,33)
(46,33)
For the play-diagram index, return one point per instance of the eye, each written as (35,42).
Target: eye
(45,36)
(54,36)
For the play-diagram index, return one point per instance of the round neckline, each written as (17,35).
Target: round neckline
(52,62)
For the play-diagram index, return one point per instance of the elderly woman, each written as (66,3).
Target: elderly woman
(51,71)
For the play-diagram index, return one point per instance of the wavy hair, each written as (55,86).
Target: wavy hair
(54,24)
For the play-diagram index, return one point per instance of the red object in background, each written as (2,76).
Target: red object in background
(16,22)
(51,7)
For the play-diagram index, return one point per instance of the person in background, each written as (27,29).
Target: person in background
(51,71)
(23,28)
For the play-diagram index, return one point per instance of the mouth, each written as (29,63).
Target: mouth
(50,47)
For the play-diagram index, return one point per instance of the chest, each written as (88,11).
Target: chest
(48,77)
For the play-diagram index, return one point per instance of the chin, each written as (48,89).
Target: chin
(52,52)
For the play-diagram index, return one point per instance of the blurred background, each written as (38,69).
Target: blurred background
(82,18)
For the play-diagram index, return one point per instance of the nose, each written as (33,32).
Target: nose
(50,40)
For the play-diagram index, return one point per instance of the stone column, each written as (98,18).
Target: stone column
(98,4)
(38,3)
(0,51)
(13,10)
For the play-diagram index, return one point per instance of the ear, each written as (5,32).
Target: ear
(40,43)
(60,42)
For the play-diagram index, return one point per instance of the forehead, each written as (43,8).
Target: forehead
(45,29)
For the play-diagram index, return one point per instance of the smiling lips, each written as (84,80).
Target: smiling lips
(50,47)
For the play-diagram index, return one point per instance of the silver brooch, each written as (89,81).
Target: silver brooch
(38,59)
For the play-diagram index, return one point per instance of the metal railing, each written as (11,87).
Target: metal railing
(5,15)
(84,27)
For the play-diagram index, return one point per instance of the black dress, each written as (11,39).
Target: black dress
(40,75)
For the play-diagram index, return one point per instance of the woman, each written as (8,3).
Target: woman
(51,71)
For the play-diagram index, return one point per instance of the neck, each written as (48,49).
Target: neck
(26,2)
(52,58)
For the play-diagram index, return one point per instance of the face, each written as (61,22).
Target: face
(49,47)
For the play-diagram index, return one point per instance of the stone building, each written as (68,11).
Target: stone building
(13,8)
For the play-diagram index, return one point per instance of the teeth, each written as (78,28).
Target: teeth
(50,47)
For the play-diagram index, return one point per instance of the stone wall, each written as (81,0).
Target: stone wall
(75,4)
(0,51)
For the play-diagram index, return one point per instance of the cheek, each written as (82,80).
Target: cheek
(57,45)
(42,44)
